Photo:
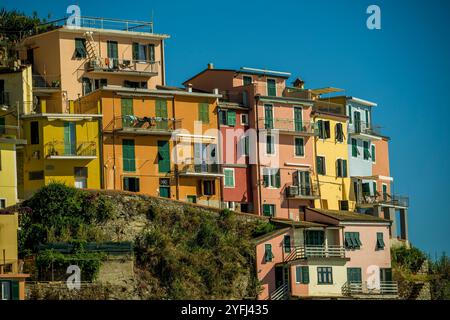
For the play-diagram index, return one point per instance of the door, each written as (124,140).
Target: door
(164,188)
(127,112)
(298,119)
(113,54)
(70,145)
(357,124)
(354,275)
(128,155)
(163,156)
(279,276)
(30,56)
(314,238)
(304,183)
(161,112)
(385,274)
(268,116)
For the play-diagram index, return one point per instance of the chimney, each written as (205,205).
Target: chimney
(189,87)
(210,66)
(216,90)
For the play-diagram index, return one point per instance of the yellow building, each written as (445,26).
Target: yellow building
(332,169)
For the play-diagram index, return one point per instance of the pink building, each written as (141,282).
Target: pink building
(280,148)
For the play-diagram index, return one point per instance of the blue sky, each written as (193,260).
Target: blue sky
(404,67)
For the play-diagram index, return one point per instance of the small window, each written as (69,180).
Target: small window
(270,144)
(269,210)
(34,132)
(341,168)
(223,117)
(339,132)
(302,274)
(244,119)
(352,240)
(247,80)
(271,178)
(380,241)
(354,148)
(80,172)
(299,147)
(203,112)
(245,145)
(324,129)
(36,175)
(229,178)
(321,169)
(324,275)
(80,48)
(131,184)
(268,255)
(208,188)
(231,118)
(366,150)
(373,153)
(271,88)
(343,205)
(2,203)
(287,244)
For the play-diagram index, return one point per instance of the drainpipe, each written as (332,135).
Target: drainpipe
(218,149)
(258,158)
(100,148)
(177,179)
(315,165)
(163,69)
(114,143)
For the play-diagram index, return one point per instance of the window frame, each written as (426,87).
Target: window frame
(242,116)
(295,147)
(324,172)
(325,272)
(267,86)
(271,144)
(225,178)
(373,150)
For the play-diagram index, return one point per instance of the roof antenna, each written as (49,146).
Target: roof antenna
(152,21)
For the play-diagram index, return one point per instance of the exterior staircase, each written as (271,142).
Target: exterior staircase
(282,293)
(91,49)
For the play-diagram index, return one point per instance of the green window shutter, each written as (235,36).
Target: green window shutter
(374,185)
(267,210)
(15,295)
(298,274)
(287,244)
(358,241)
(327,129)
(305,275)
(271,88)
(350,114)
(299,147)
(229,180)
(373,153)
(298,119)
(268,255)
(231,118)
(163,156)
(344,168)
(223,117)
(380,241)
(268,117)
(277,179)
(128,155)
(161,112)
(366,150)
(269,144)
(354,148)
(320,128)
(135,51)
(203,112)
(126,105)
(338,168)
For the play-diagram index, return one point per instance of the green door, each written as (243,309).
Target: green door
(163,157)
(161,112)
(315,238)
(70,144)
(298,119)
(354,275)
(127,112)
(268,116)
(129,161)
(164,191)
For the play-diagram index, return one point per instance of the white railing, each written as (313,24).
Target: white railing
(361,288)
(281,293)
(302,252)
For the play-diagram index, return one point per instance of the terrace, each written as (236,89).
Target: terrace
(85,150)
(131,124)
(292,253)
(288,126)
(385,289)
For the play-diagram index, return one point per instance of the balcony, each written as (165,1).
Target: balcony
(329,107)
(363,129)
(10,134)
(367,200)
(361,289)
(305,252)
(123,67)
(201,170)
(288,126)
(81,150)
(145,125)
(47,83)
(4,98)
(303,192)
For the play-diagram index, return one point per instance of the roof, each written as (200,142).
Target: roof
(326,90)
(362,101)
(271,235)
(179,92)
(348,216)
(297,224)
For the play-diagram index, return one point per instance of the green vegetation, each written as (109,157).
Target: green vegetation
(440,282)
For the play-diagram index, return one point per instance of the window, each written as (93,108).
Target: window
(2,203)
(324,129)
(164,188)
(231,118)
(352,240)
(142,52)
(151,52)
(367,119)
(374,187)
(223,117)
(135,84)
(354,275)
(354,148)
(299,147)
(112,50)
(208,188)
(349,113)
(247,80)
(269,210)
(298,119)
(245,145)
(302,274)
(314,238)
(271,88)
(268,116)
(384,186)
(244,119)
(373,153)
(80,175)
(341,168)
(5,290)
(192,199)
(287,244)
(324,275)
(366,150)
(321,169)
(270,144)
(163,156)
(380,241)
(80,48)
(131,184)
(87,85)
(268,255)
(271,178)
(203,112)
(229,178)
(129,161)
(36,175)
(100,83)
(34,132)
(339,132)
(343,205)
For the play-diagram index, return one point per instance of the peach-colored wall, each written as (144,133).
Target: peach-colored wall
(211,79)
(298,289)
(381,165)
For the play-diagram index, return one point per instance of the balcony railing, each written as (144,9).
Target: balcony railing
(361,288)
(304,252)
(201,169)
(329,107)
(4,98)
(47,82)
(123,65)
(386,199)
(303,191)
(61,150)
(288,126)
(9,131)
(146,125)
(362,127)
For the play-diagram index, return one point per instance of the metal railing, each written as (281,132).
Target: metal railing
(352,288)
(122,65)
(364,127)
(9,131)
(213,168)
(4,98)
(386,198)
(303,252)
(78,149)
(302,191)
(135,124)
(288,125)
(48,81)
(281,293)
(105,24)
(329,107)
